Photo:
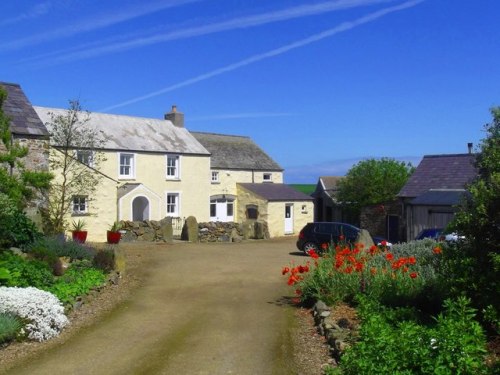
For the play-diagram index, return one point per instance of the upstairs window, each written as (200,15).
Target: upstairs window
(127,166)
(80,205)
(173,162)
(85,157)
(215,177)
(267,177)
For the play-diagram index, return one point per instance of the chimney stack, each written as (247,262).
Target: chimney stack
(469,146)
(177,118)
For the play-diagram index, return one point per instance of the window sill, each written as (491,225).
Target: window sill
(172,179)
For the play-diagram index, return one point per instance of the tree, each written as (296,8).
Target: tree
(76,159)
(19,184)
(372,182)
(474,264)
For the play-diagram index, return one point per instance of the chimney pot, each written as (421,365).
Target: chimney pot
(469,146)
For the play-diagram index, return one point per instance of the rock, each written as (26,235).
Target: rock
(190,230)
(119,260)
(365,239)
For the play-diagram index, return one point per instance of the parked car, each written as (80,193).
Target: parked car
(434,233)
(314,235)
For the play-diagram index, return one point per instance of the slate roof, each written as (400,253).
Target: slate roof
(452,171)
(23,118)
(327,184)
(276,192)
(127,133)
(440,198)
(235,152)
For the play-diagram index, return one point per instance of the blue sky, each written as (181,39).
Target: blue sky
(319,85)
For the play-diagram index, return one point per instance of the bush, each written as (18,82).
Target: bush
(9,327)
(392,342)
(15,227)
(62,248)
(49,257)
(105,260)
(42,309)
(25,273)
(76,282)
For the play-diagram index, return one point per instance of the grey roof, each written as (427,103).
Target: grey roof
(23,118)
(127,188)
(328,185)
(235,152)
(276,192)
(440,198)
(129,133)
(453,171)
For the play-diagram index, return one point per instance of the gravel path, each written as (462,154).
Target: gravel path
(186,309)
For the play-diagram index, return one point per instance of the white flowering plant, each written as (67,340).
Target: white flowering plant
(42,310)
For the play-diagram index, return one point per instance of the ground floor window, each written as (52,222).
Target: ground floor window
(252,211)
(80,205)
(222,210)
(173,208)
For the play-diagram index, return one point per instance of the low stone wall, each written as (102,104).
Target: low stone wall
(219,232)
(147,230)
(337,332)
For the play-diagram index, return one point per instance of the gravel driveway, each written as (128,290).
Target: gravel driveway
(200,309)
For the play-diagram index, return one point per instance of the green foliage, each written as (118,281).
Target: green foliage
(71,132)
(105,260)
(9,327)
(115,227)
(20,187)
(78,225)
(392,342)
(15,228)
(76,282)
(475,263)
(24,272)
(62,248)
(373,182)
(47,256)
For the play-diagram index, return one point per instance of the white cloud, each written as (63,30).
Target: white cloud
(128,43)
(346,26)
(97,22)
(35,12)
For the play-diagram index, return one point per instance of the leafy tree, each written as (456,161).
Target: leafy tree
(19,184)
(474,264)
(372,182)
(76,159)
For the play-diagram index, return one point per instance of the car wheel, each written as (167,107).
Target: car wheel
(310,246)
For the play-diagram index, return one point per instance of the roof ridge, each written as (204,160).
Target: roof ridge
(225,135)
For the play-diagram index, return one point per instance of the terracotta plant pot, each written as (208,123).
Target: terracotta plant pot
(79,236)
(113,237)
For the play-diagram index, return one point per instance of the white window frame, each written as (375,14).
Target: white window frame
(78,205)
(177,204)
(215,177)
(177,167)
(132,159)
(85,157)
(267,177)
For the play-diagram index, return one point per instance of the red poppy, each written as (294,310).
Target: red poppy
(313,254)
(412,260)
(285,270)
(413,275)
(324,246)
(348,269)
(389,257)
(359,266)
(373,249)
(437,250)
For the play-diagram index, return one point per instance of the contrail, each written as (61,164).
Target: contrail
(126,43)
(346,26)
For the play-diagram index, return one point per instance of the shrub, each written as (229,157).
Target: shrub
(24,272)
(105,260)
(15,227)
(42,309)
(49,257)
(76,282)
(62,248)
(391,342)
(9,327)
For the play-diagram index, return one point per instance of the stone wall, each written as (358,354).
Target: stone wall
(374,218)
(220,232)
(147,230)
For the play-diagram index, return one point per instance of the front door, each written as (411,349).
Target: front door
(288,218)
(221,210)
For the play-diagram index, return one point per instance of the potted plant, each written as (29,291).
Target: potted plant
(113,234)
(78,232)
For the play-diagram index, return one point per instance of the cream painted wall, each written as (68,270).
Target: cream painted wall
(274,212)
(193,188)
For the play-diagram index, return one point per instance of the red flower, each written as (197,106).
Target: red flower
(373,250)
(348,269)
(437,250)
(389,257)
(359,266)
(313,254)
(412,260)
(413,275)
(285,270)
(324,246)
